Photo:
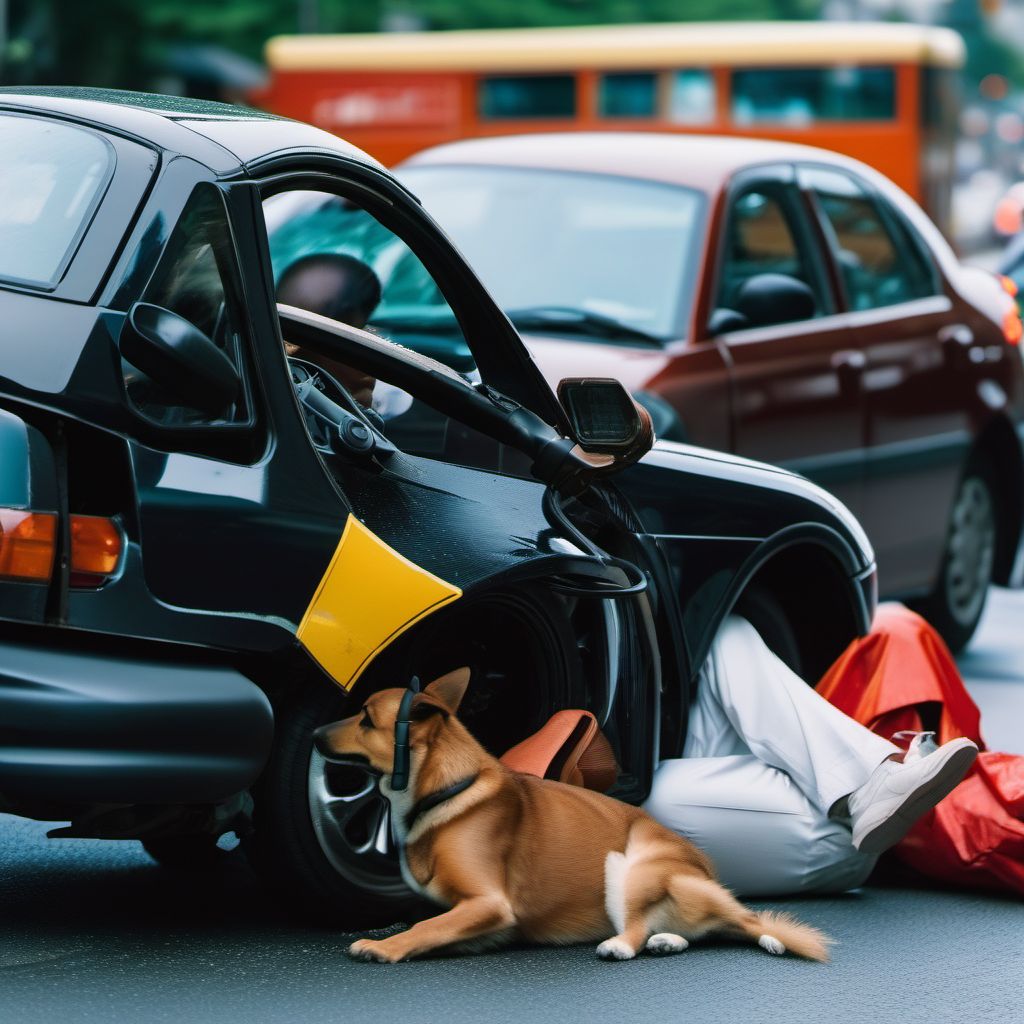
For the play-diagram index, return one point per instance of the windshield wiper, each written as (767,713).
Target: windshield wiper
(577,321)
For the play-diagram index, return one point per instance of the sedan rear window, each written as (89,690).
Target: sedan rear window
(52,177)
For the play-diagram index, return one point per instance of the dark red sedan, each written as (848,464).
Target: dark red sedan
(773,300)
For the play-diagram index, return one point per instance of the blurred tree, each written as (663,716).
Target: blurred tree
(448,14)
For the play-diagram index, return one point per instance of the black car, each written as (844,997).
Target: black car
(208,547)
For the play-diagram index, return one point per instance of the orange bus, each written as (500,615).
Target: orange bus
(884,93)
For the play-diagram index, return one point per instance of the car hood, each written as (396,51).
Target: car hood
(684,490)
(634,365)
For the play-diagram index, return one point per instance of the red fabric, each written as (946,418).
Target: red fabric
(975,837)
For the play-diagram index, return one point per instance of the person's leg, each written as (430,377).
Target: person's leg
(750,700)
(764,836)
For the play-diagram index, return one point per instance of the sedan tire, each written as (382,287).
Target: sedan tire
(955,606)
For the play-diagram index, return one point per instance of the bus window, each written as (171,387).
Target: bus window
(628,94)
(691,97)
(527,96)
(801,96)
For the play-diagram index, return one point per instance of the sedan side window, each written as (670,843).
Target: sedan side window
(196,279)
(767,275)
(879,265)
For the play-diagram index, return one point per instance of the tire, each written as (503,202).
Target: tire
(955,606)
(199,853)
(321,832)
(316,865)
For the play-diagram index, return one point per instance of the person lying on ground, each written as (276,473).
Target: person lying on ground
(785,792)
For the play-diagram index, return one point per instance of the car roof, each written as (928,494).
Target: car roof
(225,138)
(704,162)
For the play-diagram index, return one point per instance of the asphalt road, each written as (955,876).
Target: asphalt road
(93,931)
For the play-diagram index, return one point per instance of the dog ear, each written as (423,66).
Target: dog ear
(449,689)
(423,708)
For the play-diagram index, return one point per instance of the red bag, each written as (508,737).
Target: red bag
(975,837)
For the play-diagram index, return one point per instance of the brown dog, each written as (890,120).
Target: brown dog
(516,857)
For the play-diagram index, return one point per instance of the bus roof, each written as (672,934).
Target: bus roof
(668,45)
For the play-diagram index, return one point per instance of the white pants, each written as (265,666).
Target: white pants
(765,759)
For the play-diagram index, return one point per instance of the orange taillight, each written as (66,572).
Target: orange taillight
(1013,329)
(28,543)
(1009,285)
(95,549)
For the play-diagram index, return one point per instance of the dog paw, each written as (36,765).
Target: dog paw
(372,951)
(615,949)
(771,944)
(666,942)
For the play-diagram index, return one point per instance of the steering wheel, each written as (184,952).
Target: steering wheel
(336,422)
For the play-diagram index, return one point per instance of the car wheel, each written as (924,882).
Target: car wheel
(322,831)
(955,605)
(321,835)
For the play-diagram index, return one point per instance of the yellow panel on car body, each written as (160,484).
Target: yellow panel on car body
(369,595)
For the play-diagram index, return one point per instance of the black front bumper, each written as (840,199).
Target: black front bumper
(85,728)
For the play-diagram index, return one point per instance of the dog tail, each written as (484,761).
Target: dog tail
(777,932)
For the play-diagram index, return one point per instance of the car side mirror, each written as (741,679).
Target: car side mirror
(179,357)
(768,299)
(604,418)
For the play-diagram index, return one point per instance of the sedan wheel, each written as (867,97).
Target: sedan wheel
(955,607)
(972,546)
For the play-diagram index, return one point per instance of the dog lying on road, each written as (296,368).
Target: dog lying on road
(516,857)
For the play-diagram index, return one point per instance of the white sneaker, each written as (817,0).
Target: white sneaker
(883,810)
(920,744)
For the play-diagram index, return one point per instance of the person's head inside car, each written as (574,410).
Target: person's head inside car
(342,288)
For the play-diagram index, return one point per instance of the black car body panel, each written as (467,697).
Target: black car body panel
(232,533)
(85,728)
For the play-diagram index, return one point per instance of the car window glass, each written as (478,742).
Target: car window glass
(51,180)
(332,257)
(762,238)
(196,278)
(618,252)
(877,268)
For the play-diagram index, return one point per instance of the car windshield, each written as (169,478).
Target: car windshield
(611,258)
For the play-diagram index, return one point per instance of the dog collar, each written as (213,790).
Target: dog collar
(432,800)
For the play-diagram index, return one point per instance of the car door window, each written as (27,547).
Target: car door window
(197,278)
(878,264)
(765,234)
(330,256)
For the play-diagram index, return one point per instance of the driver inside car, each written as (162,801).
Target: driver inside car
(342,288)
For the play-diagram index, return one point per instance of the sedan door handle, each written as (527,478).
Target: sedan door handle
(956,334)
(849,364)
(849,361)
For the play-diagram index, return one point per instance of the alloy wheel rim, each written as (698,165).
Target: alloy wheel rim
(352,823)
(972,542)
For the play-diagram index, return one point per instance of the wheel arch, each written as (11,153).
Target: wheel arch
(810,575)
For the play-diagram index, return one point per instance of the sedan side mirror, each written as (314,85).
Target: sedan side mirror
(604,418)
(177,356)
(768,299)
